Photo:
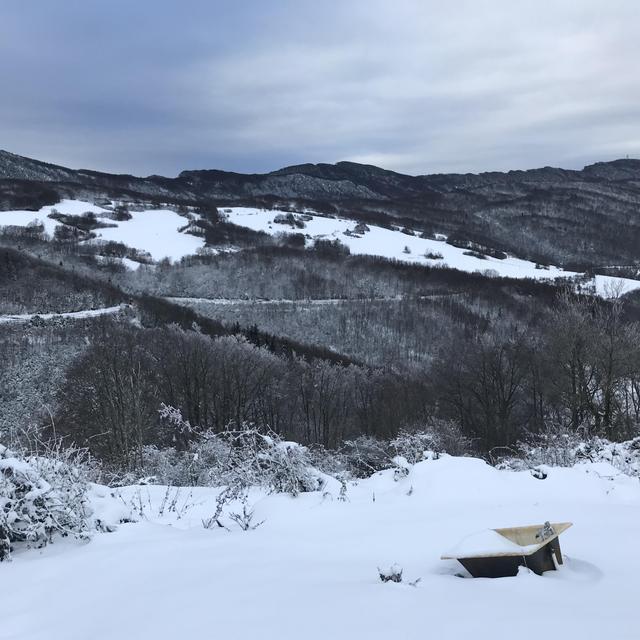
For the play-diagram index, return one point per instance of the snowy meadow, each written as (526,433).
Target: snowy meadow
(163,233)
(166,562)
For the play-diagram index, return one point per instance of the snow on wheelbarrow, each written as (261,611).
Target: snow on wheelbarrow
(497,553)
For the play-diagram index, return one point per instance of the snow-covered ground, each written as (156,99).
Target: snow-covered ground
(155,231)
(86,313)
(311,569)
(319,302)
(389,243)
(20,218)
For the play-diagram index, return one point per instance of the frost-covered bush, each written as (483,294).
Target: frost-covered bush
(412,446)
(439,436)
(263,459)
(180,430)
(40,497)
(366,455)
(246,456)
(624,456)
(449,437)
(241,456)
(198,465)
(164,465)
(392,574)
(567,449)
(401,468)
(557,448)
(329,461)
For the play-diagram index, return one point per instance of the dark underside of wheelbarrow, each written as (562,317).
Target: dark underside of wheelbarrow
(503,566)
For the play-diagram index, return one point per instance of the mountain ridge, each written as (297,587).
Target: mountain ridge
(621,168)
(577,218)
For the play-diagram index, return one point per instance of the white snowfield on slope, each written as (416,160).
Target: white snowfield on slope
(388,243)
(310,570)
(157,232)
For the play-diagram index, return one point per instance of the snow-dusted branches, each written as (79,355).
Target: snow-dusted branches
(40,497)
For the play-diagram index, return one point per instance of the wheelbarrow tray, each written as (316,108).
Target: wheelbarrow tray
(497,553)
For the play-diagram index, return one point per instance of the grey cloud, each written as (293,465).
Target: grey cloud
(416,86)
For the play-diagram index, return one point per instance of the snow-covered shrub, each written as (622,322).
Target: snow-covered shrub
(412,446)
(180,429)
(206,457)
(448,437)
(392,574)
(439,436)
(198,465)
(244,519)
(166,465)
(263,459)
(329,461)
(40,497)
(555,448)
(242,456)
(401,468)
(624,456)
(366,455)
(567,449)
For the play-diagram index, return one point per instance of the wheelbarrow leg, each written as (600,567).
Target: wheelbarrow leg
(555,547)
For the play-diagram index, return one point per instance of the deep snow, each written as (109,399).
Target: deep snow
(311,570)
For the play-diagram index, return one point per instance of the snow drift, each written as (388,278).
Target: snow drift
(310,569)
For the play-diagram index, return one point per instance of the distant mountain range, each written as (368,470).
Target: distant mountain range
(573,218)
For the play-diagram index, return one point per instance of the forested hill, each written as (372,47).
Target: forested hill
(588,218)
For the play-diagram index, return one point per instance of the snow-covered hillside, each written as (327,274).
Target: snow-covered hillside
(311,569)
(388,243)
(155,231)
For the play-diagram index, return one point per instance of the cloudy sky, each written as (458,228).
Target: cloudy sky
(419,86)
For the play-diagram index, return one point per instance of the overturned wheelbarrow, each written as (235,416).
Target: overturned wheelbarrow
(497,553)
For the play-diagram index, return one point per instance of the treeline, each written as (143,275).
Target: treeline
(157,312)
(29,285)
(495,360)
(112,394)
(403,335)
(288,272)
(33,360)
(502,366)
(576,371)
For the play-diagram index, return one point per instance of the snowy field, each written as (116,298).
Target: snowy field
(310,570)
(154,231)
(388,243)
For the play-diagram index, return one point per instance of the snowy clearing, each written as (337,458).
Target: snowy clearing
(155,231)
(311,569)
(21,218)
(86,313)
(388,243)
